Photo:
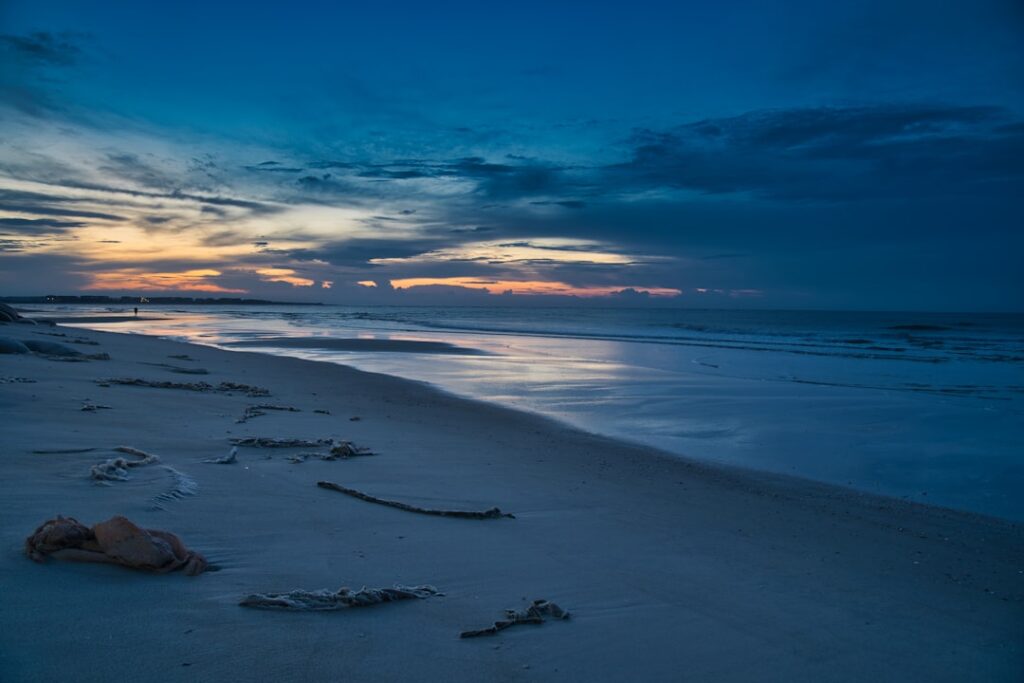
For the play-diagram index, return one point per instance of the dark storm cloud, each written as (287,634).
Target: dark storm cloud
(834,153)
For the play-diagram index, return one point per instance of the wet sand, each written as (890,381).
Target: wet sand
(672,569)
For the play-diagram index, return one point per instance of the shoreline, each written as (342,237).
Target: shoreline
(697,561)
(941,434)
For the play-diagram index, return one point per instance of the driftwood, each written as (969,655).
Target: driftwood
(493,513)
(222,388)
(261,409)
(116,469)
(534,614)
(343,598)
(264,442)
(115,541)
(340,450)
(344,450)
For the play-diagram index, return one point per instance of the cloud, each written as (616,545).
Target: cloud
(833,153)
(50,49)
(140,280)
(531,287)
(38,224)
(286,275)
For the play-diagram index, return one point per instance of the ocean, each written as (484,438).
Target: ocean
(922,406)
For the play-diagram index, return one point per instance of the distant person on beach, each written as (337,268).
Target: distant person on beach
(136,311)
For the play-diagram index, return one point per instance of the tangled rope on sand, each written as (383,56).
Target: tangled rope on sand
(116,469)
(534,614)
(493,513)
(343,598)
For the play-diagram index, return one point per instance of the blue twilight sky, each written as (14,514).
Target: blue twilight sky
(782,154)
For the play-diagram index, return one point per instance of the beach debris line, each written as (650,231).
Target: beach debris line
(116,469)
(115,541)
(340,450)
(265,442)
(337,450)
(229,459)
(534,614)
(261,409)
(222,388)
(343,598)
(493,513)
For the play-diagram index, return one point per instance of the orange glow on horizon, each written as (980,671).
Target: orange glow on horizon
(183,281)
(539,287)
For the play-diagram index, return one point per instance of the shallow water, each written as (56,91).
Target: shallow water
(923,406)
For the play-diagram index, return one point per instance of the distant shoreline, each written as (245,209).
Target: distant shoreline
(149,301)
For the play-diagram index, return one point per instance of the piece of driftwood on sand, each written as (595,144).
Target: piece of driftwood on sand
(115,541)
(343,598)
(534,614)
(493,513)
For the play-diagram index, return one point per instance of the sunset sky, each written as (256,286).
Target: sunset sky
(857,154)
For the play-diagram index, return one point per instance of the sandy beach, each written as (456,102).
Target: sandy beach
(671,570)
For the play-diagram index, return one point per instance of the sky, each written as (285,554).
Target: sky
(846,155)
